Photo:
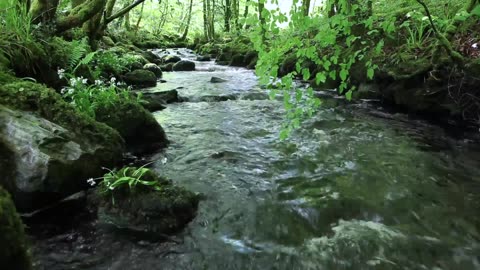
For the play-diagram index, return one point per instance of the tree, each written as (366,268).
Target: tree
(185,33)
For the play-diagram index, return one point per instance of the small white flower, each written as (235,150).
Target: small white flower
(91,182)
(84,81)
(70,91)
(113,80)
(475,45)
(63,91)
(98,82)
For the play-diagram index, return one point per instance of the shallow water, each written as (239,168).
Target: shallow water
(355,188)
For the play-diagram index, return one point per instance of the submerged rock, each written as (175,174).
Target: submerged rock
(184,65)
(13,248)
(154,68)
(153,206)
(48,149)
(141,77)
(217,80)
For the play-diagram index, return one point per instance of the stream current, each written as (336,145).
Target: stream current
(355,188)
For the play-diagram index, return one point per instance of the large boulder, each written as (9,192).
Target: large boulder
(149,208)
(171,59)
(184,65)
(154,68)
(168,67)
(217,80)
(48,149)
(238,60)
(141,78)
(13,248)
(140,130)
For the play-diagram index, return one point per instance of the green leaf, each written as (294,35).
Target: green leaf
(348,95)
(343,74)
(320,78)
(476,11)
(370,73)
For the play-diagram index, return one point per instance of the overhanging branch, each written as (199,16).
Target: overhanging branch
(122,12)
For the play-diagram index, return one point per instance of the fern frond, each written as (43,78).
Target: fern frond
(78,51)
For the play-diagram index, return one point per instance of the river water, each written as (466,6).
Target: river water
(355,188)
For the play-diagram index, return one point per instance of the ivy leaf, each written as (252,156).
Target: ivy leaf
(343,74)
(348,95)
(476,11)
(370,73)
(320,78)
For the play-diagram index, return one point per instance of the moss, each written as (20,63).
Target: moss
(160,208)
(45,102)
(6,77)
(135,124)
(13,248)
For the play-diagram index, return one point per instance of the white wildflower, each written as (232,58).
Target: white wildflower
(70,91)
(91,182)
(84,81)
(113,80)
(475,45)
(98,82)
(63,91)
(61,73)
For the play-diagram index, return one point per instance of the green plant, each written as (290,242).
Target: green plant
(15,30)
(110,62)
(418,30)
(127,179)
(87,98)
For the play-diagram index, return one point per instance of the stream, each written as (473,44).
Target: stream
(357,187)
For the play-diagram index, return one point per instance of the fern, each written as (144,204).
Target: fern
(86,60)
(78,50)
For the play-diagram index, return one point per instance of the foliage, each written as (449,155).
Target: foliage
(15,30)
(110,62)
(127,179)
(87,98)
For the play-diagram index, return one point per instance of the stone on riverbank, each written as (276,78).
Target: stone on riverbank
(171,59)
(151,209)
(157,101)
(49,149)
(137,126)
(141,78)
(154,68)
(217,80)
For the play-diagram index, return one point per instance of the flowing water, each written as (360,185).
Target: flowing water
(355,188)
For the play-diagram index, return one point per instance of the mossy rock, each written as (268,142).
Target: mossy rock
(154,68)
(184,65)
(65,146)
(136,125)
(45,102)
(14,252)
(146,210)
(238,60)
(140,77)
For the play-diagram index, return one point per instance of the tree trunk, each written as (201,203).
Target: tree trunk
(228,15)
(261,8)
(80,14)
(137,26)
(43,10)
(185,33)
(305,7)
